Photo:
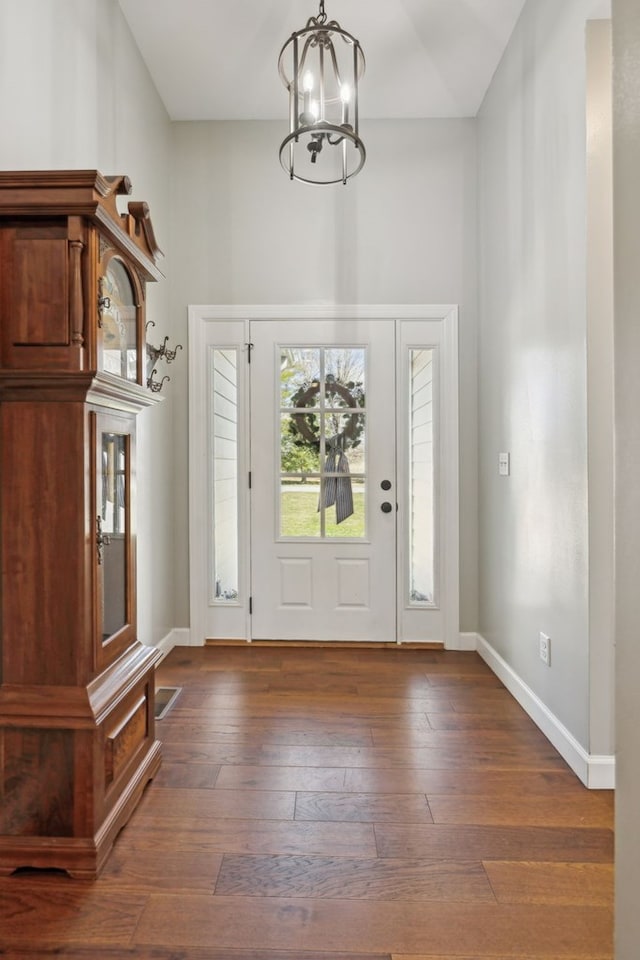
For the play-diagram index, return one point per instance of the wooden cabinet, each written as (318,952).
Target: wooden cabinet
(77,733)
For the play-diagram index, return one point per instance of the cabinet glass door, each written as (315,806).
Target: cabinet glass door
(113,536)
(118,323)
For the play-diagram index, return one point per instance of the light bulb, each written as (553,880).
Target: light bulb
(307,82)
(345,96)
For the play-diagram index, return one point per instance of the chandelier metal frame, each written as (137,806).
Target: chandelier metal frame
(322,78)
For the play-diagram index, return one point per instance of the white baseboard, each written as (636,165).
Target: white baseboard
(468,641)
(178,637)
(596,772)
(182,638)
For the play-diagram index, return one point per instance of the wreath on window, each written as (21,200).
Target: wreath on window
(307,425)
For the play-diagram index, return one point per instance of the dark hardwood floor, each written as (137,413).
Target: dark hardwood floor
(338,804)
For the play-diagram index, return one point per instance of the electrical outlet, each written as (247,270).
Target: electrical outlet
(545,649)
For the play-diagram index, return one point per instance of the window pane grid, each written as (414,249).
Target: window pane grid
(323,419)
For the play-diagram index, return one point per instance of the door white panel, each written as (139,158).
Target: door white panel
(334,588)
(295,582)
(353,583)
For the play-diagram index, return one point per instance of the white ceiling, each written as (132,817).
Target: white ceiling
(217,59)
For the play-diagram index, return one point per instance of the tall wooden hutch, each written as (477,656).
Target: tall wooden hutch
(77,733)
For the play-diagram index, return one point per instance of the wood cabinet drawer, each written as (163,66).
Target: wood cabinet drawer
(125,734)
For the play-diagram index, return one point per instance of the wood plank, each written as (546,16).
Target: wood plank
(425,736)
(149,870)
(67,911)
(20,951)
(492,783)
(481,930)
(579,883)
(363,807)
(221,804)
(310,732)
(511,956)
(248,836)
(514,720)
(343,878)
(197,776)
(250,777)
(460,756)
(587,811)
(494,843)
(321,705)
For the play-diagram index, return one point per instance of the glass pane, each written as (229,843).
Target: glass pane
(345,433)
(323,441)
(345,377)
(119,323)
(299,448)
(225,473)
(354,525)
(299,377)
(113,568)
(299,514)
(421,477)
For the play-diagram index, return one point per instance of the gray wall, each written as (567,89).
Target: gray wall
(626,50)
(600,383)
(404,231)
(535,524)
(83,99)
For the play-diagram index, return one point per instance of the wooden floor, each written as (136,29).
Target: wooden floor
(338,804)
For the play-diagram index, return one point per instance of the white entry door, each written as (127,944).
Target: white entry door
(323,491)
(323,466)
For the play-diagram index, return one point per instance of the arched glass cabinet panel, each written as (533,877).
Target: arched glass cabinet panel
(119,326)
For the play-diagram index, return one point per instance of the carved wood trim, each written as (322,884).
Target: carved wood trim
(139,210)
(123,740)
(76,301)
(105,246)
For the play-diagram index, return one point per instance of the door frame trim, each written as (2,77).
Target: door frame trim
(198,318)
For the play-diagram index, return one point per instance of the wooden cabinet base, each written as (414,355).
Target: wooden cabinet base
(81,857)
(74,763)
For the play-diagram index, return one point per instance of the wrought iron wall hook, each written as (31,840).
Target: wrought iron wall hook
(165,353)
(155,385)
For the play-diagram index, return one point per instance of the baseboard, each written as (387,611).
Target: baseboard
(596,772)
(468,641)
(178,637)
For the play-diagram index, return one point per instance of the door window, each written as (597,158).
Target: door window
(421,476)
(323,423)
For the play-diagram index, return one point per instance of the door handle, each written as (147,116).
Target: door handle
(386,507)
(102,539)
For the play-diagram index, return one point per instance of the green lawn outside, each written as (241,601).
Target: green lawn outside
(300,516)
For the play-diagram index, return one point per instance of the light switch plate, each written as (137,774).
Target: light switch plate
(504,464)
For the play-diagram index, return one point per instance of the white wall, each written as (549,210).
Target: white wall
(626,59)
(534,525)
(74,94)
(403,231)
(600,383)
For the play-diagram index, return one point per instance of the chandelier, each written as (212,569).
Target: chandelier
(321,66)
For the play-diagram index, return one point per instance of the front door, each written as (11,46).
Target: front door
(323,454)
(323,492)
